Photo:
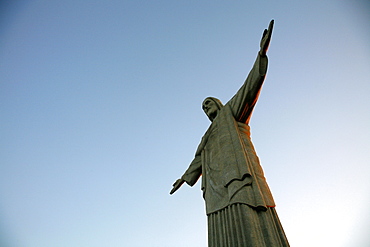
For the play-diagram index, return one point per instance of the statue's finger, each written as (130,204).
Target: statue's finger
(271,26)
(264,33)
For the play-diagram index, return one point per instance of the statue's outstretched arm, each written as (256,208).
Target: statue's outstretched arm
(244,100)
(190,176)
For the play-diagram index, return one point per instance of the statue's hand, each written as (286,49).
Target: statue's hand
(266,37)
(177,185)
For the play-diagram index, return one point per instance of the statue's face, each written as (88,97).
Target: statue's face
(210,108)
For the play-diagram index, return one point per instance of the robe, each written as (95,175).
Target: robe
(239,204)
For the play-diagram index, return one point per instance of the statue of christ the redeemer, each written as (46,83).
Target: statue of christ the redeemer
(239,205)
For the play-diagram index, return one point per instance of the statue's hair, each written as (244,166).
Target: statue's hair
(217,101)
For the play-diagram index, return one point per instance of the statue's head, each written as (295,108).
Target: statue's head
(211,106)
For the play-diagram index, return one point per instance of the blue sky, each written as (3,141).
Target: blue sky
(101,113)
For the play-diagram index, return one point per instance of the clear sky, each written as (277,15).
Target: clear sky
(100,105)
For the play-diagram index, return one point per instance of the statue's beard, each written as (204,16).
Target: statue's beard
(212,115)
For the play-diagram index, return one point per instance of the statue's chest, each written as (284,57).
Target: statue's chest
(214,151)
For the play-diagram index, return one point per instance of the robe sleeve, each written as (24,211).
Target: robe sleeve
(194,171)
(244,100)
